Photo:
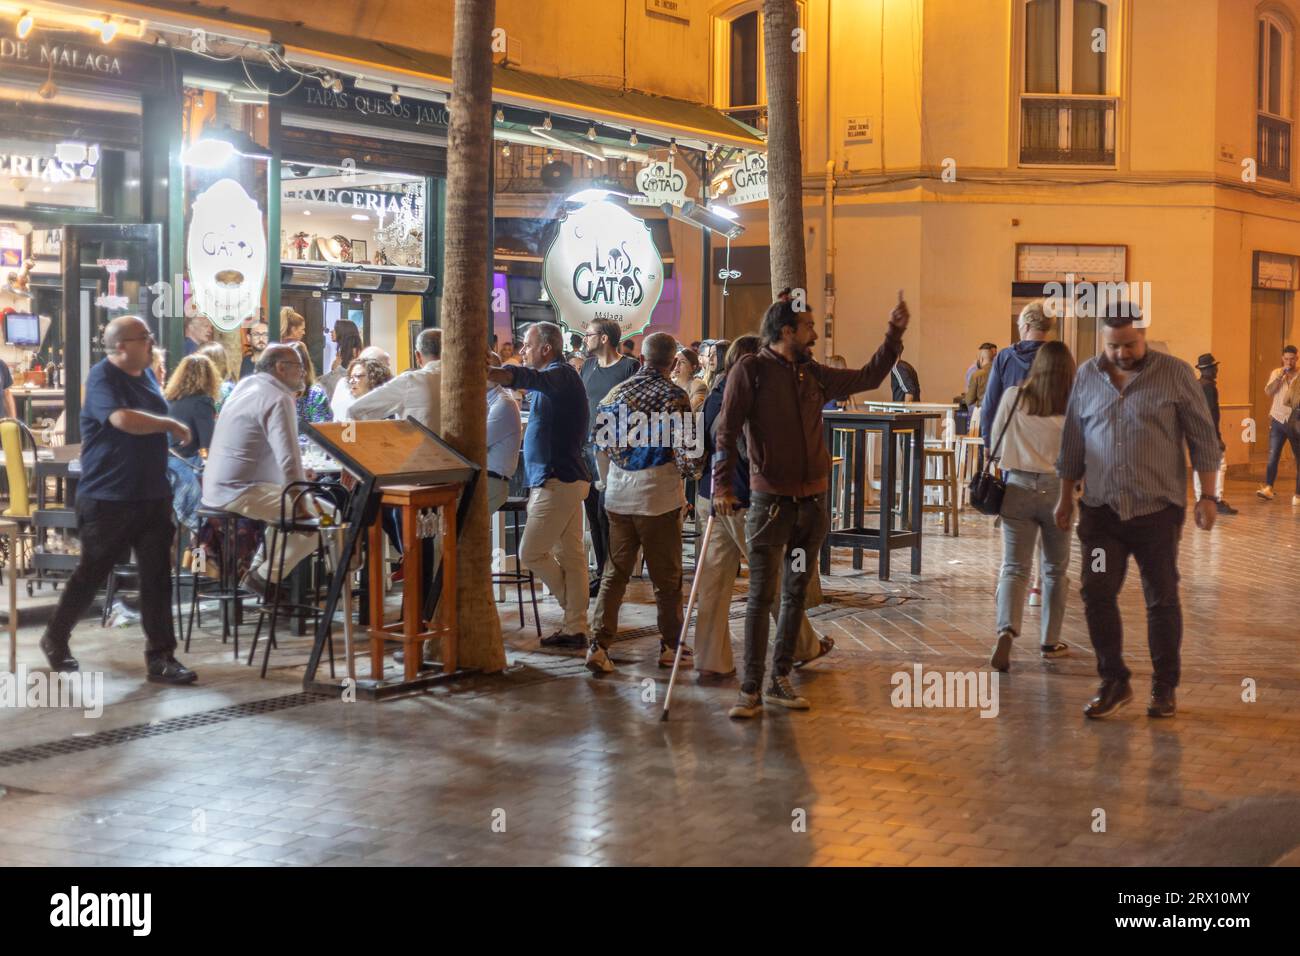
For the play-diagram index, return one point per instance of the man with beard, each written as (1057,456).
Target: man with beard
(1130,415)
(777,397)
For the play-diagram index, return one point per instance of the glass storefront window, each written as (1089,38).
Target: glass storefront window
(352,217)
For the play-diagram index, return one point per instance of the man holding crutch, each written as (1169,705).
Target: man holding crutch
(777,397)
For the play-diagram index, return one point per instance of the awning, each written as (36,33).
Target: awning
(656,116)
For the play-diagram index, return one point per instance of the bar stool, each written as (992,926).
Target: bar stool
(968,465)
(228,591)
(126,572)
(945,481)
(516,507)
(289,523)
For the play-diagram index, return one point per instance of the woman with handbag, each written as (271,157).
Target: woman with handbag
(1027,440)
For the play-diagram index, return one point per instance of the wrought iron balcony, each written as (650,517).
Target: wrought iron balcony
(1067,130)
(1273,148)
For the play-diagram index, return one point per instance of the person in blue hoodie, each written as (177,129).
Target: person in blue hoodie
(1011,366)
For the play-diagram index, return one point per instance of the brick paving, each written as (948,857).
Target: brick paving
(547,765)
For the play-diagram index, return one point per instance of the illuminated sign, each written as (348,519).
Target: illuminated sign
(603,264)
(70,162)
(660,183)
(226,254)
(750,180)
(379,203)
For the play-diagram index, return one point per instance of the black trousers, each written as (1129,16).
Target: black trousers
(1152,540)
(109,531)
(597,516)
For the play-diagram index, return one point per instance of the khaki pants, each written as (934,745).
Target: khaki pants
(660,538)
(497,492)
(551,547)
(262,503)
(717,577)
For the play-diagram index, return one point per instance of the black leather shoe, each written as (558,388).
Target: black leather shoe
(1223,508)
(1111,696)
(170,671)
(560,639)
(1163,702)
(60,659)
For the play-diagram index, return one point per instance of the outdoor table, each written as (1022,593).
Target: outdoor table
(56,463)
(908,426)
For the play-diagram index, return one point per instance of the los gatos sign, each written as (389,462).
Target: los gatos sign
(603,264)
(226,254)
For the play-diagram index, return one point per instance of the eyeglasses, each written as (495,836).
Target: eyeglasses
(148,337)
(355,378)
(289,362)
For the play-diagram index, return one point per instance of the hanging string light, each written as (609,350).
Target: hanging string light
(505,149)
(396,98)
(25,24)
(550,155)
(591,163)
(501,115)
(591,132)
(546,121)
(672,147)
(107,30)
(632,140)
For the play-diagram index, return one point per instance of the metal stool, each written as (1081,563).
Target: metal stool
(228,592)
(290,523)
(516,507)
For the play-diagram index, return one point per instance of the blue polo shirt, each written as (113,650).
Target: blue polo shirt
(116,466)
(557,423)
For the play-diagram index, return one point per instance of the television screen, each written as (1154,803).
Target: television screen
(22,328)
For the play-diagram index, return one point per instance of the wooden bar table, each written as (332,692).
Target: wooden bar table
(908,426)
(412,628)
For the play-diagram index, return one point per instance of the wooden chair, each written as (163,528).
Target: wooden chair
(945,482)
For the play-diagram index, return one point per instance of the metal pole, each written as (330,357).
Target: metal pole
(686,621)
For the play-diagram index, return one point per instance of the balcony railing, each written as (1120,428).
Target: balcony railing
(1067,130)
(1273,148)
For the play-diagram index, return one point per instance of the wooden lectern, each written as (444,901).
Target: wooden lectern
(404,465)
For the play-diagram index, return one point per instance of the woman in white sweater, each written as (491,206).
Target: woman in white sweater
(1027,440)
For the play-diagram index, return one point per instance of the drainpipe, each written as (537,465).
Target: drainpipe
(830,198)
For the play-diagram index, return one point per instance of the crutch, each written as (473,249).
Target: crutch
(690,605)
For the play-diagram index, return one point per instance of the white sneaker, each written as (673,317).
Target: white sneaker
(598,661)
(1265,492)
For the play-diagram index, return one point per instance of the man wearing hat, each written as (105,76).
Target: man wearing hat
(1208,366)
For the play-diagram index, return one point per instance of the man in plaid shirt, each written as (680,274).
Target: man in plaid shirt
(651,442)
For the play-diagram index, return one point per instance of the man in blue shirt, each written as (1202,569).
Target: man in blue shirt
(124,498)
(556,474)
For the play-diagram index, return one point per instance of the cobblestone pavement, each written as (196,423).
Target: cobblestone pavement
(547,765)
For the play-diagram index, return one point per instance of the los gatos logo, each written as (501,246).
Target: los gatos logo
(603,264)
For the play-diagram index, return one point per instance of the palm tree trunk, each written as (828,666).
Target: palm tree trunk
(784,159)
(465,319)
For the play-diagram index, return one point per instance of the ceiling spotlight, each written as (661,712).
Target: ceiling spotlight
(591,132)
(501,115)
(546,121)
(631,140)
(395,98)
(505,149)
(672,147)
(107,30)
(25,24)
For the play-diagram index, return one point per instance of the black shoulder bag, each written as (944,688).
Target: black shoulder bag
(987,489)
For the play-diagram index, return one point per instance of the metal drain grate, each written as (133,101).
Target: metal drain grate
(122,735)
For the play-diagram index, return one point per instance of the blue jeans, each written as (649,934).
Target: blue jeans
(1029,516)
(1279,435)
(187,488)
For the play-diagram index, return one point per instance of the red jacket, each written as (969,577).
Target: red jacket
(780,404)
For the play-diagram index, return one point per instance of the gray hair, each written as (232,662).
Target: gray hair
(1035,318)
(548,333)
(429,343)
(659,349)
(375,354)
(275,352)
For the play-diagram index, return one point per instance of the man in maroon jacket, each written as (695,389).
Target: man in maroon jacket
(778,396)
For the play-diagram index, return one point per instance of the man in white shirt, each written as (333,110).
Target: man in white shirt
(255,453)
(414,394)
(505,433)
(646,428)
(1279,387)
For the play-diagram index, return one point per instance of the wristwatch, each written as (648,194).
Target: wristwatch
(1213,498)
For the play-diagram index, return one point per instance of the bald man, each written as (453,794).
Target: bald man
(124,499)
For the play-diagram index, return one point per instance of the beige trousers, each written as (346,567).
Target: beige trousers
(262,503)
(717,577)
(551,547)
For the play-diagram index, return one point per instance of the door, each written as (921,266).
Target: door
(1269,311)
(108,271)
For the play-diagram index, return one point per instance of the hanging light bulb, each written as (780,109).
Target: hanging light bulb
(395,98)
(591,132)
(326,80)
(550,155)
(622,166)
(501,115)
(708,153)
(337,85)
(672,147)
(632,140)
(107,30)
(546,121)
(25,24)
(505,149)
(591,163)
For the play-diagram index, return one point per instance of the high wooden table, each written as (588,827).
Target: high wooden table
(410,500)
(909,429)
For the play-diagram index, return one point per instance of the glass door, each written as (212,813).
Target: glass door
(108,271)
